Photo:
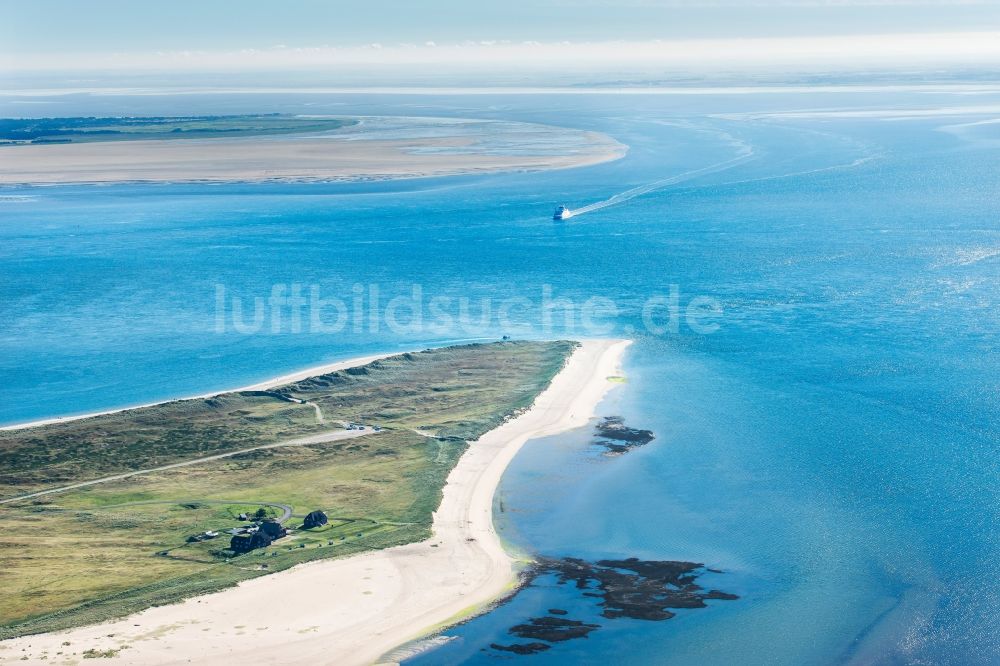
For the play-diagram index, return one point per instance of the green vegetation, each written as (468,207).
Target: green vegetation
(102,654)
(19,131)
(102,551)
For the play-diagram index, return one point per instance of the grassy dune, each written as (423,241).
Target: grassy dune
(102,551)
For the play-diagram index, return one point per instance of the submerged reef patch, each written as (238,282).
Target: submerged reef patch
(618,438)
(631,588)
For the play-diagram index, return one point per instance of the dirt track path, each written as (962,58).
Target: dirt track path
(312,439)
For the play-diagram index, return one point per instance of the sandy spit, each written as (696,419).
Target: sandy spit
(357,609)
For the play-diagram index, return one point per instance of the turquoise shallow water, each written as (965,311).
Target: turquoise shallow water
(832,447)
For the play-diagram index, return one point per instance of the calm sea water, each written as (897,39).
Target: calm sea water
(833,447)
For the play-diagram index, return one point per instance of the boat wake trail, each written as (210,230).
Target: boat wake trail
(744,152)
(634,192)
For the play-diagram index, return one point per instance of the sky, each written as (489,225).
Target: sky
(206,35)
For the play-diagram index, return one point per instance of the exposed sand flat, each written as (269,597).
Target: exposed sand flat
(357,609)
(451,148)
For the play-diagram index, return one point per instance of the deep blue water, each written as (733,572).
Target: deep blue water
(832,447)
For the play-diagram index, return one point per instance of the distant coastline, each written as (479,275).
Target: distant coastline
(312,371)
(371,148)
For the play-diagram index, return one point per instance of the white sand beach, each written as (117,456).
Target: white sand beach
(358,609)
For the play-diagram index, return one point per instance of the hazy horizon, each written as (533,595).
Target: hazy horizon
(553,42)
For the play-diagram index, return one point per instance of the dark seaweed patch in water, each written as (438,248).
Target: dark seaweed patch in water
(632,588)
(553,629)
(522,648)
(617,438)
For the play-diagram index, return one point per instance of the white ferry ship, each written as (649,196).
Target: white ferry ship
(562,213)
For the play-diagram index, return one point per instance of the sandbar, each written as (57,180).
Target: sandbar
(373,149)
